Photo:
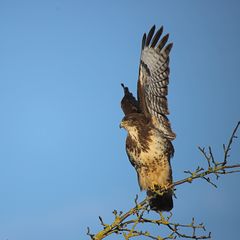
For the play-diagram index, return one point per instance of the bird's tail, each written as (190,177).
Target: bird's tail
(159,202)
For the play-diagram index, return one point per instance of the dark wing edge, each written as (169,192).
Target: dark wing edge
(129,104)
(154,78)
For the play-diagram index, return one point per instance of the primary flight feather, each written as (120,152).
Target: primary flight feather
(148,143)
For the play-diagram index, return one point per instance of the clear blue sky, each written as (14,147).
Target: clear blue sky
(62,154)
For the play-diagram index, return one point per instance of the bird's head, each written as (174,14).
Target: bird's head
(133,121)
(127,122)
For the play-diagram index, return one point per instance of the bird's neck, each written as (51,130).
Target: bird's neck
(141,135)
(133,132)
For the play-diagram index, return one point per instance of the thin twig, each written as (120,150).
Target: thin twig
(226,150)
(127,223)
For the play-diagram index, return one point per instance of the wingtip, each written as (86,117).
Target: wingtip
(156,37)
(125,89)
(163,41)
(170,44)
(150,35)
(153,27)
(167,35)
(144,40)
(168,48)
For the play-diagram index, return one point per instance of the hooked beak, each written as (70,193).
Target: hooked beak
(121,125)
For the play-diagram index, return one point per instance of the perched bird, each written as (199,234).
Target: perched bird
(148,144)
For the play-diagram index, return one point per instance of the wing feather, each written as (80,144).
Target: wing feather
(154,79)
(150,34)
(157,36)
(162,42)
(144,40)
(128,103)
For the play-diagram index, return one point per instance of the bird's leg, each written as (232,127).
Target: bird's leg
(157,189)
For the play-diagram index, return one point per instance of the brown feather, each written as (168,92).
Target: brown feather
(143,40)
(148,144)
(163,41)
(156,37)
(129,104)
(149,36)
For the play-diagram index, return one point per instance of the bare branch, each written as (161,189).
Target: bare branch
(127,224)
(226,150)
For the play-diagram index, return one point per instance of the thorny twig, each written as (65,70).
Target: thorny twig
(126,224)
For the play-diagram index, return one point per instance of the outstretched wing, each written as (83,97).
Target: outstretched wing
(129,104)
(154,78)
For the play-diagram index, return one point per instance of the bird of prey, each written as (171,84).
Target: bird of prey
(148,144)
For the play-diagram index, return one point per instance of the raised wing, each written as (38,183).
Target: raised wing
(154,78)
(129,104)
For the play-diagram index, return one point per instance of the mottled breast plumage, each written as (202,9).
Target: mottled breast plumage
(150,156)
(148,143)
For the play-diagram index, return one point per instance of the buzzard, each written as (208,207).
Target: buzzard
(148,144)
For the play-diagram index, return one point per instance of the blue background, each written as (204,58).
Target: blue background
(62,154)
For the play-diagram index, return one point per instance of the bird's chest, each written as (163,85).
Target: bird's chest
(146,151)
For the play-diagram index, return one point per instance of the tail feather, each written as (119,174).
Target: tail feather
(160,202)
